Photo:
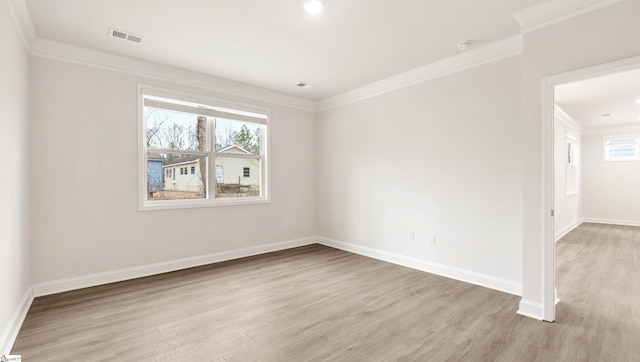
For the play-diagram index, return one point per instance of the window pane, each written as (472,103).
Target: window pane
(622,151)
(622,148)
(621,141)
(230,178)
(236,136)
(175,130)
(167,179)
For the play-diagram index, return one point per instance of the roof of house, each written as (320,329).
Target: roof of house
(182,160)
(193,158)
(229,149)
(155,156)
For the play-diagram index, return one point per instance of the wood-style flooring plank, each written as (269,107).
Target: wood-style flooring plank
(321,304)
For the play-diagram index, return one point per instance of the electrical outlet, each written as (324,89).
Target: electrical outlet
(411,235)
(432,238)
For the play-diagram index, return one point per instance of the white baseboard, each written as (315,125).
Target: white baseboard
(63,285)
(596,220)
(484,280)
(531,309)
(13,327)
(567,229)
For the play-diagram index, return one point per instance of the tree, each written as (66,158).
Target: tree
(153,140)
(201,137)
(153,133)
(244,138)
(174,137)
(225,136)
(255,148)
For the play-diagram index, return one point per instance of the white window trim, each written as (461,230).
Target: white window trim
(221,107)
(572,167)
(606,154)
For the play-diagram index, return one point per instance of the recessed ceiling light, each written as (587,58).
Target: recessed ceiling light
(313,7)
(638,100)
(607,115)
(305,85)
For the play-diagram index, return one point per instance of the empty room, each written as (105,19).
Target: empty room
(305,180)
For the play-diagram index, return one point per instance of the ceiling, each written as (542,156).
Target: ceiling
(274,44)
(587,101)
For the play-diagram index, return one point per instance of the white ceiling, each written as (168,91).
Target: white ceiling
(587,101)
(274,44)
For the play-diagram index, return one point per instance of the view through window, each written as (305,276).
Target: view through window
(195,153)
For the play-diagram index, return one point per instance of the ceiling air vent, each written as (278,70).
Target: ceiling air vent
(124,35)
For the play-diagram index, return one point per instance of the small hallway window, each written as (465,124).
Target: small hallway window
(622,148)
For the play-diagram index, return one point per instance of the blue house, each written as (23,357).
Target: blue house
(154,172)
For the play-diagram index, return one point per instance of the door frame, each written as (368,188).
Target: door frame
(548,104)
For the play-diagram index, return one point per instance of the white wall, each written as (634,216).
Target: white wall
(439,157)
(605,35)
(15,277)
(611,189)
(568,206)
(85,221)
(381,168)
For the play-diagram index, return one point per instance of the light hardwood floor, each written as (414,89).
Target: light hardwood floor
(318,303)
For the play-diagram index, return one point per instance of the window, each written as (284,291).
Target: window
(571,173)
(219,174)
(203,136)
(624,148)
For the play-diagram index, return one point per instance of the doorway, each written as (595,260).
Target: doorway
(550,135)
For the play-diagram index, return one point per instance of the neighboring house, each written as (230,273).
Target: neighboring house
(154,172)
(184,174)
(243,171)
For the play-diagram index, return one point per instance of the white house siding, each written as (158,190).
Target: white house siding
(185,182)
(233,170)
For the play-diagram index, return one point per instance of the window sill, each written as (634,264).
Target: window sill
(168,205)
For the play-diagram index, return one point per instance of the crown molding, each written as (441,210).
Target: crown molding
(80,55)
(21,16)
(616,129)
(567,120)
(553,11)
(468,59)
